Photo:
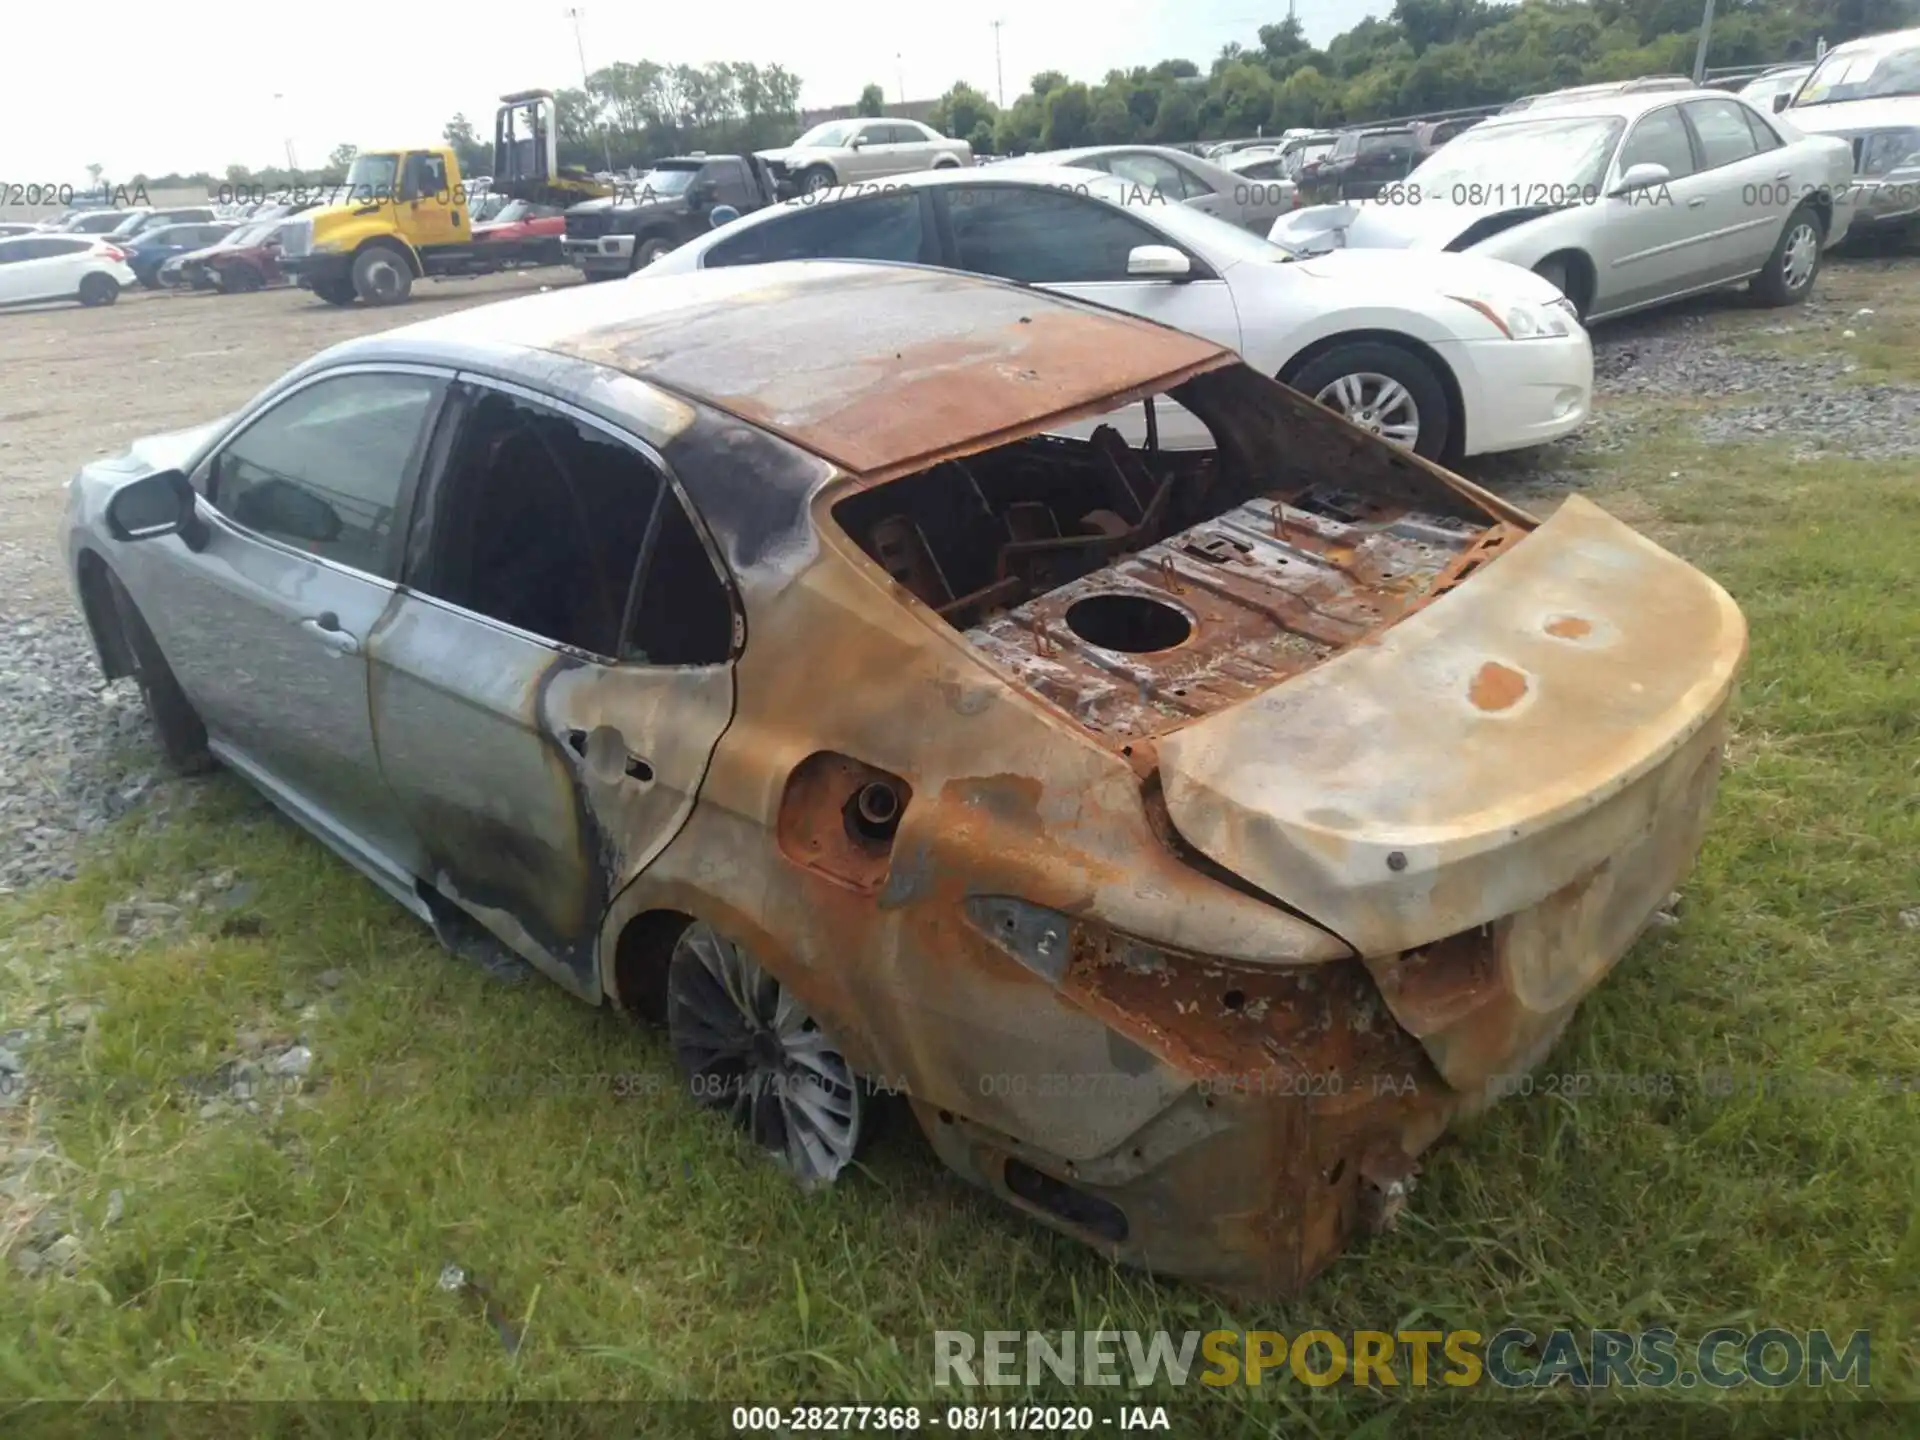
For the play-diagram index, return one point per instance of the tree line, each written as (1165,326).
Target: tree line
(1424,55)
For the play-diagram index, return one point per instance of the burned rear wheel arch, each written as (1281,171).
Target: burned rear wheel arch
(641,956)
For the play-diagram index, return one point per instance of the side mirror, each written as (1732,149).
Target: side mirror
(856,142)
(1158,262)
(1781,100)
(155,505)
(1643,176)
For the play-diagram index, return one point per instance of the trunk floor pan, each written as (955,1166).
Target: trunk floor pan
(1230,606)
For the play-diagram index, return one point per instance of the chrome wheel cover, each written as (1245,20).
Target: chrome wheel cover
(1801,254)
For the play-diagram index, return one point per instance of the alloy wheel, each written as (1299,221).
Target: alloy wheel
(1800,256)
(1376,403)
(748,1047)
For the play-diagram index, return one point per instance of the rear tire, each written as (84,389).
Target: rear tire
(98,289)
(1787,277)
(176,724)
(382,275)
(244,280)
(334,292)
(1385,390)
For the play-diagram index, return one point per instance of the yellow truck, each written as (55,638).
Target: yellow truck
(407,213)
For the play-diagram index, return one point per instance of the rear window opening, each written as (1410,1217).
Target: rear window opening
(1137,587)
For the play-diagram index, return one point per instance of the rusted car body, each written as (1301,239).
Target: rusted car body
(1191,835)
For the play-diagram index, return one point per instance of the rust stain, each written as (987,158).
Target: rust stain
(1243,1089)
(1497,687)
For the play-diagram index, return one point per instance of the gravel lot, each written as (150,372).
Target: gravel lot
(76,384)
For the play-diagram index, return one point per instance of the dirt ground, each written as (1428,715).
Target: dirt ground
(76,384)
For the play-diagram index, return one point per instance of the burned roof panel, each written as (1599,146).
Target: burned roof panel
(872,366)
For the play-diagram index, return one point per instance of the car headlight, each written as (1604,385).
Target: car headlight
(1890,150)
(1524,319)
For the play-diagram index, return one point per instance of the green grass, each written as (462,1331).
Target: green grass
(1879,344)
(649,1253)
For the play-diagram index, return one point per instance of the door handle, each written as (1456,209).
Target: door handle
(1784,176)
(1696,202)
(637,767)
(326,629)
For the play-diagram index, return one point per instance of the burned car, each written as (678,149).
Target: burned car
(1191,835)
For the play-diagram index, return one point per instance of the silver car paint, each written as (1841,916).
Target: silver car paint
(1696,234)
(442,744)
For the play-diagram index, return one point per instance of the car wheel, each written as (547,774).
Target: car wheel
(1383,389)
(382,276)
(243,279)
(150,282)
(335,292)
(176,724)
(817,179)
(1787,277)
(648,251)
(97,289)
(746,1046)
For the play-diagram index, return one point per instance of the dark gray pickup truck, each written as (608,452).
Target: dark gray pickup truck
(670,204)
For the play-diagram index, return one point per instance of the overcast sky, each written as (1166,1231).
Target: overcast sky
(193,87)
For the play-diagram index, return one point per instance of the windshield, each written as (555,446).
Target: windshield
(1759,93)
(828,136)
(1567,153)
(1869,73)
(1219,241)
(373,177)
(513,210)
(250,234)
(663,182)
(129,225)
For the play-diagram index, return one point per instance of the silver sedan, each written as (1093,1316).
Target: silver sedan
(1253,204)
(1624,202)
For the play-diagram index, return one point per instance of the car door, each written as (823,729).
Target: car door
(267,623)
(1079,246)
(1747,204)
(16,281)
(874,158)
(51,268)
(433,212)
(909,148)
(1646,238)
(552,681)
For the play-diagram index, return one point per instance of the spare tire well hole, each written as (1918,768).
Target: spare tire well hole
(1131,624)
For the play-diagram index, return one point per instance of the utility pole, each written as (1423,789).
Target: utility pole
(1700,55)
(280,112)
(999,79)
(574,13)
(900,76)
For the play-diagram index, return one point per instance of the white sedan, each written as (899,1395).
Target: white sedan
(1450,355)
(51,266)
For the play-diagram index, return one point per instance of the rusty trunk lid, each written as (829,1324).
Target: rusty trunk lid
(1480,755)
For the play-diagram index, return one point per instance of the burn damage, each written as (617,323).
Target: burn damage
(1192,836)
